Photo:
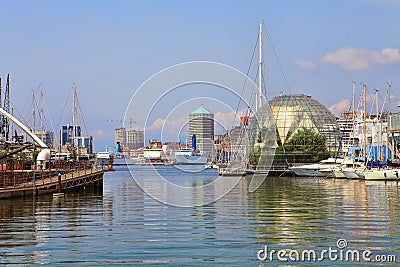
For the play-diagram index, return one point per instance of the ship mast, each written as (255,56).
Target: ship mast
(379,125)
(41,113)
(354,118)
(74,119)
(33,112)
(389,128)
(260,76)
(365,122)
(6,122)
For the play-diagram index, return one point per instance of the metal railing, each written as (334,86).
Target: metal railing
(13,178)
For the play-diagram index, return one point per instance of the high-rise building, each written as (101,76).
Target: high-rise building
(47,137)
(66,134)
(120,137)
(84,143)
(134,139)
(201,124)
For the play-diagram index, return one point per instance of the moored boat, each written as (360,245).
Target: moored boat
(322,169)
(190,156)
(382,174)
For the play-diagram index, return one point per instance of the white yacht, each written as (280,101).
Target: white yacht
(351,169)
(382,174)
(189,156)
(322,169)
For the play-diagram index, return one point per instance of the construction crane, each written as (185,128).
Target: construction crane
(130,122)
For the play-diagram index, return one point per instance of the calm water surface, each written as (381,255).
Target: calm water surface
(120,224)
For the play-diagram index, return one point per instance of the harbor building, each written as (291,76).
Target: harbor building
(47,137)
(120,137)
(84,144)
(134,139)
(67,134)
(201,124)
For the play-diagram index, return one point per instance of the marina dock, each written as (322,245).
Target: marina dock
(21,183)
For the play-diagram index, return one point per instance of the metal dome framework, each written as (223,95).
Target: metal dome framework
(295,112)
(298,111)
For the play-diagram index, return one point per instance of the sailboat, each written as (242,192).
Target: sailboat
(238,158)
(385,172)
(350,168)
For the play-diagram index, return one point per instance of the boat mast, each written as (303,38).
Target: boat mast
(74,119)
(260,61)
(6,121)
(389,128)
(41,108)
(379,125)
(33,111)
(365,122)
(354,118)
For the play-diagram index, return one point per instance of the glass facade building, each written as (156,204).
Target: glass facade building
(201,124)
(298,111)
(304,129)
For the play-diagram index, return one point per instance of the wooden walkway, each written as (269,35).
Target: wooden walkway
(69,180)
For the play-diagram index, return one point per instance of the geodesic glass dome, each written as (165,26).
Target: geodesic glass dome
(298,112)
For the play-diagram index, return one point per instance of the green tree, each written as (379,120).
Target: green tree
(306,140)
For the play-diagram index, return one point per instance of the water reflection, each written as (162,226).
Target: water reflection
(314,213)
(28,225)
(122,225)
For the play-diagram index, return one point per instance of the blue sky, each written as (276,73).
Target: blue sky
(109,48)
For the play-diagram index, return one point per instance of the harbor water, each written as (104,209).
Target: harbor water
(120,224)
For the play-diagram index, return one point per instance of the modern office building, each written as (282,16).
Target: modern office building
(201,124)
(66,134)
(134,139)
(83,143)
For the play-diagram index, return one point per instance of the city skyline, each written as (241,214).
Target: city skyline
(109,49)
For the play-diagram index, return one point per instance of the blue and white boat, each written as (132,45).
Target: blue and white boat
(190,156)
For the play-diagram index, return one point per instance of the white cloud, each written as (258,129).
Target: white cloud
(305,64)
(156,125)
(340,107)
(351,58)
(97,133)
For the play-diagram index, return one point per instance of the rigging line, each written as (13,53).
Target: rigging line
(80,114)
(47,111)
(65,105)
(25,105)
(385,102)
(245,80)
(20,117)
(372,104)
(277,59)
